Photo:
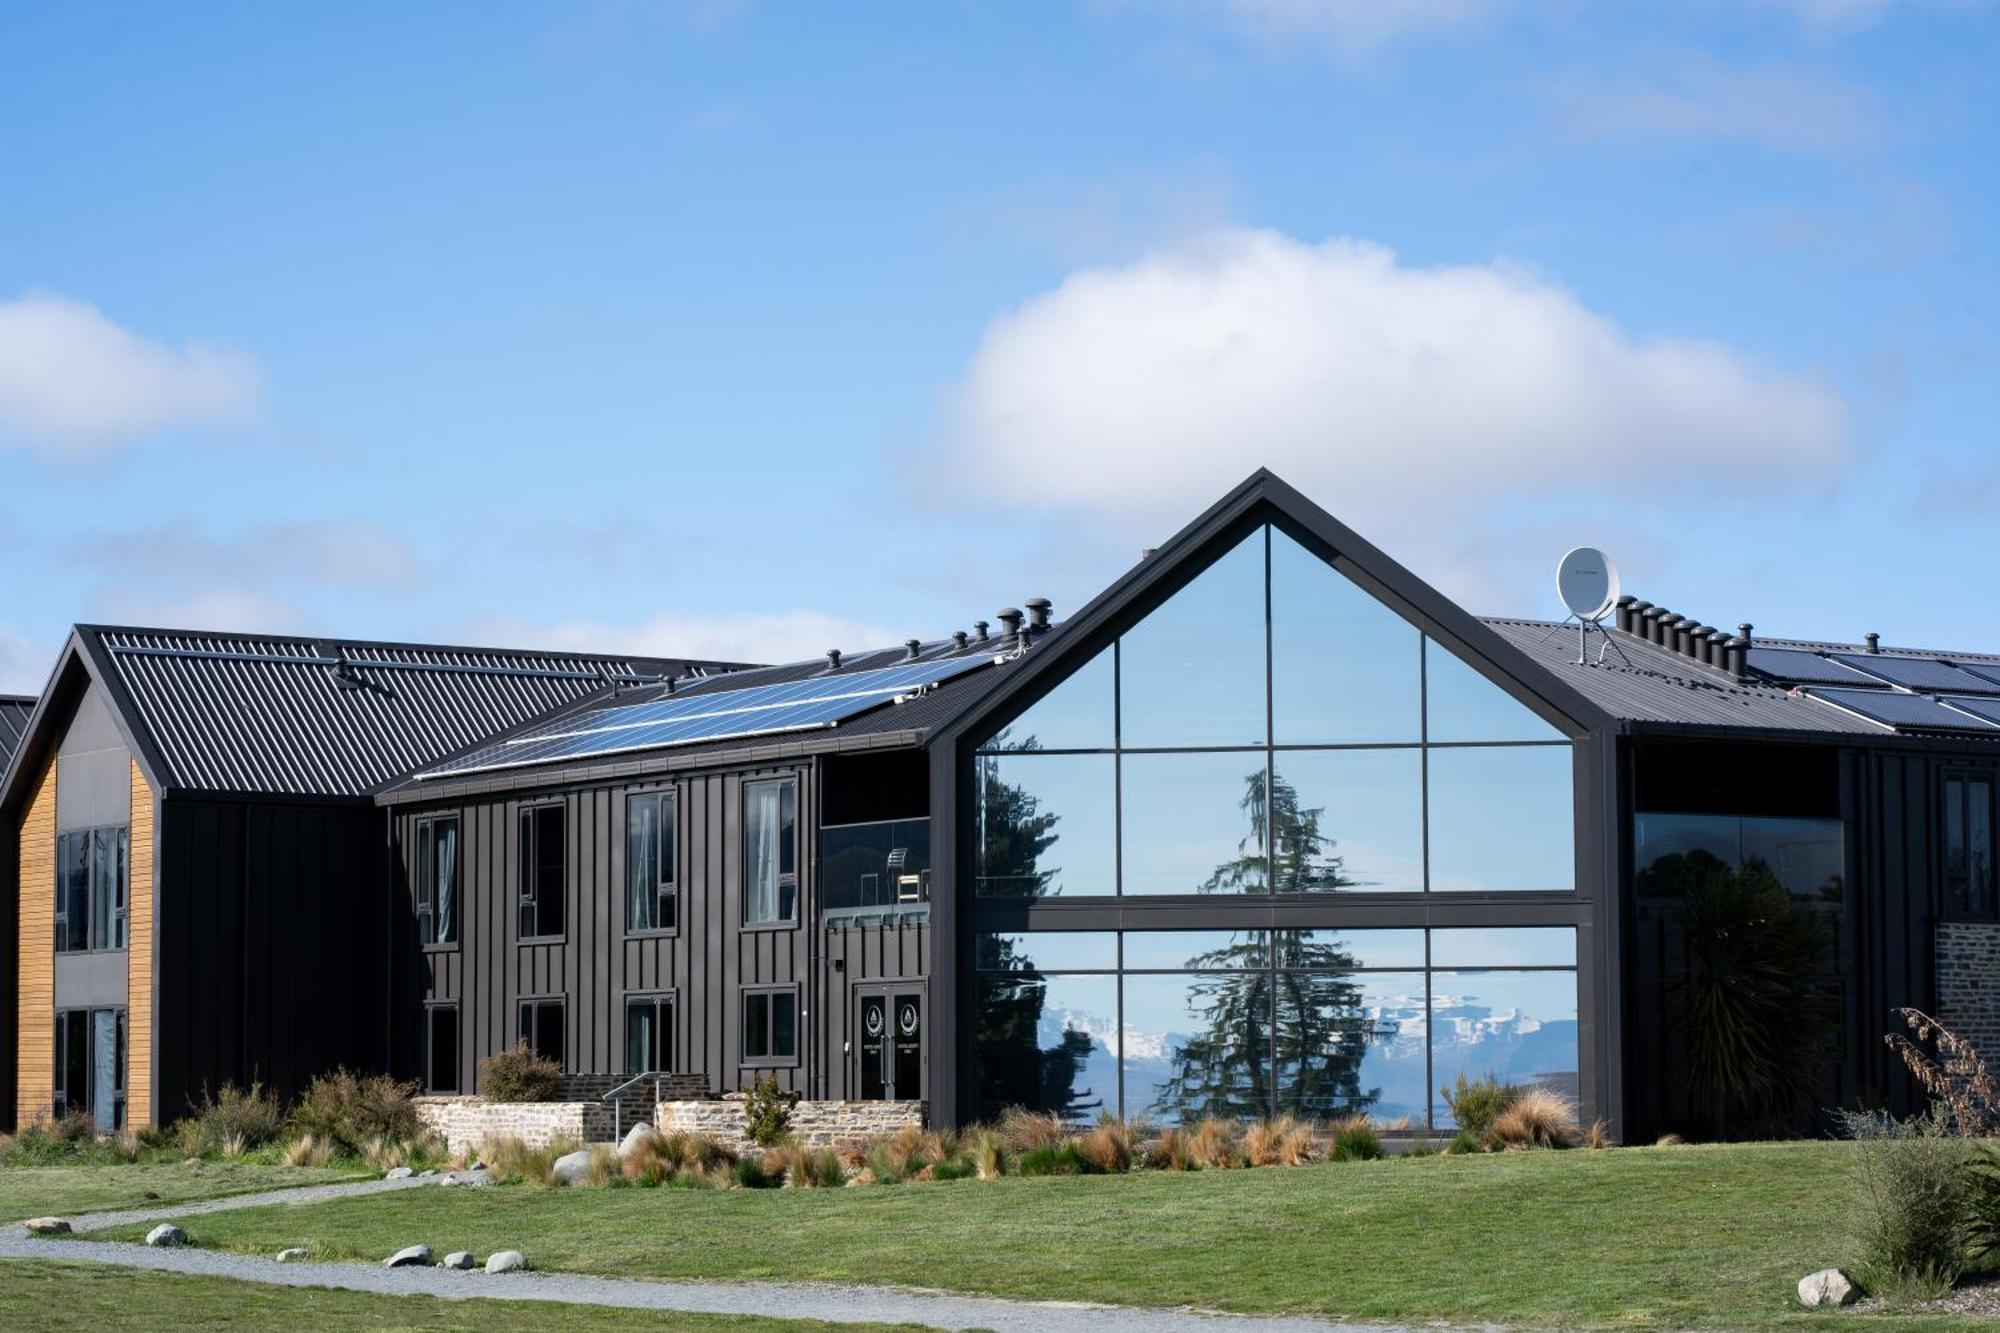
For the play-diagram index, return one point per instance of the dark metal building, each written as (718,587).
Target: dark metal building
(1268,825)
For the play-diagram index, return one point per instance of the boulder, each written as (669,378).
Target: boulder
(462,1260)
(398,1173)
(47,1226)
(572,1167)
(168,1234)
(410,1256)
(632,1137)
(427,1174)
(1829,1286)
(507,1261)
(297,1254)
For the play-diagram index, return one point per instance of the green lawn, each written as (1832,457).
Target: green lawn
(1706,1236)
(32,1191)
(81,1296)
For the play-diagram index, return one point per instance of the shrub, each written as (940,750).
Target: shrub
(985,1152)
(305,1150)
(1023,1130)
(678,1158)
(250,1115)
(768,1111)
(509,1159)
(519,1074)
(909,1150)
(191,1137)
(127,1144)
(1914,1201)
(604,1169)
(750,1174)
(1053,1159)
(1173,1150)
(1464,1143)
(1421,1145)
(1283,1141)
(347,1110)
(1213,1143)
(958,1168)
(818,1168)
(1353,1139)
(1110,1145)
(1537,1118)
(72,1138)
(1475,1104)
(1955,1076)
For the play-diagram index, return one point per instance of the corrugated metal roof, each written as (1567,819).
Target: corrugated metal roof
(325,717)
(15,710)
(1653,684)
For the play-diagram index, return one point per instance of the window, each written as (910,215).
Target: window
(770,853)
(880,865)
(91,889)
(650,898)
(542,880)
(90,1065)
(441,1048)
(542,1027)
(649,1034)
(771,1027)
(1968,845)
(437,880)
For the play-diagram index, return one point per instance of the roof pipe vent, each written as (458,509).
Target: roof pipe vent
(1691,643)
(1038,614)
(1636,618)
(1735,656)
(1623,619)
(979,628)
(1010,618)
(1683,628)
(1743,633)
(833,659)
(1656,618)
(1715,651)
(668,684)
(959,638)
(912,649)
(1873,640)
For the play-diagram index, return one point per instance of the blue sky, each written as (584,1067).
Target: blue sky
(749,329)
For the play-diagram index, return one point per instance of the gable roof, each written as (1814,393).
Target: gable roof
(283,715)
(15,710)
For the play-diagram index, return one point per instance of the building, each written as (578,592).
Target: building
(1269,824)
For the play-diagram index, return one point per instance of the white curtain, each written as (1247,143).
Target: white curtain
(760,887)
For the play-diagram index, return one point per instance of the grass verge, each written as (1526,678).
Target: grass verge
(1687,1237)
(59,1296)
(33,1191)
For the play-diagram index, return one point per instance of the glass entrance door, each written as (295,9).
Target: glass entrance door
(890,1023)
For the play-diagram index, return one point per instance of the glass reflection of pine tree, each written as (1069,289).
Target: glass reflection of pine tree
(1014,1066)
(1311,1041)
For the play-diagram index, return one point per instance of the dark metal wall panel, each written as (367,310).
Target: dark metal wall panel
(597,965)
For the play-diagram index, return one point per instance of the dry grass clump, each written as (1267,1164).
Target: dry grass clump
(677,1158)
(816,1168)
(1023,1130)
(1111,1145)
(1172,1150)
(508,1158)
(1536,1118)
(1669,1140)
(911,1151)
(605,1169)
(125,1145)
(1598,1135)
(985,1151)
(305,1150)
(1214,1143)
(1282,1141)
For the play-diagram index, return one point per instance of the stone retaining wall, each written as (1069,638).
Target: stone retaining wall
(1968,981)
(819,1124)
(466,1122)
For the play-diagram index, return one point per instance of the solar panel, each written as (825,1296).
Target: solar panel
(1984,670)
(1798,667)
(1918,673)
(756,710)
(1985,706)
(1904,712)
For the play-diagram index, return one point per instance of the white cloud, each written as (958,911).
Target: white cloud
(1112,215)
(1438,409)
(1790,109)
(236,609)
(73,382)
(783,636)
(1348,29)
(351,554)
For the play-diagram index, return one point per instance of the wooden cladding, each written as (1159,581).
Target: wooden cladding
(139,959)
(35,1033)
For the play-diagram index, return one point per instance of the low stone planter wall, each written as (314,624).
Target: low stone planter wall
(818,1124)
(466,1122)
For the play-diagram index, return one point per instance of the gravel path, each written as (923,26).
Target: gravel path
(793,1300)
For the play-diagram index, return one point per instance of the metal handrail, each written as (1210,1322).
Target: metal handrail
(617,1099)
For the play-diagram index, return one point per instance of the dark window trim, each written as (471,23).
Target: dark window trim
(1963,774)
(667,999)
(560,1001)
(121,1056)
(793,921)
(121,914)
(743,1057)
(670,886)
(426,903)
(527,814)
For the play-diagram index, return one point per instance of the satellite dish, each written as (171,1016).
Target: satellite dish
(1587,583)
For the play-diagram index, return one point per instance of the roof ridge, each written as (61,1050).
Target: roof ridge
(323,641)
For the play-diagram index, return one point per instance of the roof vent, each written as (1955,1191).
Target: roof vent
(833,659)
(1873,640)
(1010,617)
(1038,614)
(959,638)
(979,628)
(912,649)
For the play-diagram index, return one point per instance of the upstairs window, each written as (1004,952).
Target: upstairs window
(1968,846)
(91,889)
(543,883)
(437,880)
(651,898)
(770,853)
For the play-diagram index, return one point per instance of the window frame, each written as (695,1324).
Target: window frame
(666,1009)
(424,837)
(788,783)
(528,1005)
(666,856)
(1967,780)
(530,895)
(99,841)
(431,1085)
(770,1059)
(60,1100)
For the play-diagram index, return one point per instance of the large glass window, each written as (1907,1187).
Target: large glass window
(878,865)
(1242,1023)
(649,1034)
(544,881)
(1968,846)
(437,880)
(90,1066)
(650,887)
(770,853)
(91,888)
(1274,727)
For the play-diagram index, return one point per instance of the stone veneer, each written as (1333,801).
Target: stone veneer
(1968,981)
(819,1124)
(466,1122)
